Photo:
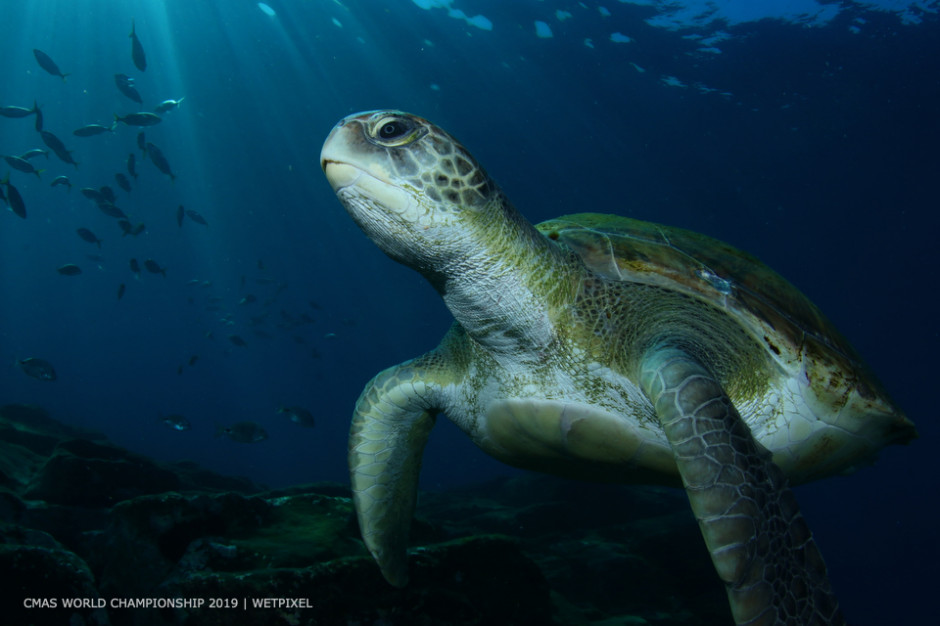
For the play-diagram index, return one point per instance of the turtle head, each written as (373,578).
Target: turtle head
(414,190)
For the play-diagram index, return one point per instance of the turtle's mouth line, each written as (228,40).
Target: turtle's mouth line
(341,175)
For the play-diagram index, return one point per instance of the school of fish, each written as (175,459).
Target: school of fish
(104,197)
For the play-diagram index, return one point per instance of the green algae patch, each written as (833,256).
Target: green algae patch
(298,532)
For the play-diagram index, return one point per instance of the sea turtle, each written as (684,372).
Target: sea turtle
(605,348)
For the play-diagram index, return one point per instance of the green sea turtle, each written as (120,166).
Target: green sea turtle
(605,348)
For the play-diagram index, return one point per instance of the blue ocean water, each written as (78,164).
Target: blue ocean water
(802,132)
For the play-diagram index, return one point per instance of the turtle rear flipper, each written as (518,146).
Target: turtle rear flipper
(759,542)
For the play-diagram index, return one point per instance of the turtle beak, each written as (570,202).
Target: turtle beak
(340,175)
(334,158)
(348,158)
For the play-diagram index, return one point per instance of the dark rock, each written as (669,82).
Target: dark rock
(567,552)
(11,507)
(14,534)
(39,444)
(85,473)
(480,580)
(335,490)
(147,536)
(196,478)
(70,525)
(180,534)
(608,550)
(44,578)
(34,419)
(19,459)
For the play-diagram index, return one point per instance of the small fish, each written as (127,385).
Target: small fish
(88,236)
(109,209)
(52,141)
(122,182)
(69,270)
(168,105)
(242,432)
(298,415)
(142,142)
(248,299)
(157,158)
(135,267)
(58,147)
(21,164)
(92,194)
(39,121)
(196,217)
(46,63)
(131,229)
(176,422)
(125,85)
(132,165)
(35,152)
(121,289)
(40,369)
(12,111)
(107,193)
(14,199)
(138,119)
(137,50)
(237,341)
(61,180)
(154,268)
(179,216)
(193,359)
(93,129)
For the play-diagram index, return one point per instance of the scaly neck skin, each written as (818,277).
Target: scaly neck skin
(505,289)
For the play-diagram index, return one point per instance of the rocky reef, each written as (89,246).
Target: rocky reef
(91,533)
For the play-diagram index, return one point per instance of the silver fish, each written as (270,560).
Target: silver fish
(93,129)
(138,119)
(168,105)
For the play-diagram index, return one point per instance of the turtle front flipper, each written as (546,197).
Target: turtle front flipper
(759,542)
(390,427)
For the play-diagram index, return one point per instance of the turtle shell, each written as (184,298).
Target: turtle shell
(793,331)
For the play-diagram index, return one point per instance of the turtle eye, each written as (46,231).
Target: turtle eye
(392,130)
(395,131)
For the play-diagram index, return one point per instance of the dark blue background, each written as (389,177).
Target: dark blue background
(810,144)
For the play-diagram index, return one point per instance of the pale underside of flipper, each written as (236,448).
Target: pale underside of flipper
(759,542)
(390,428)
